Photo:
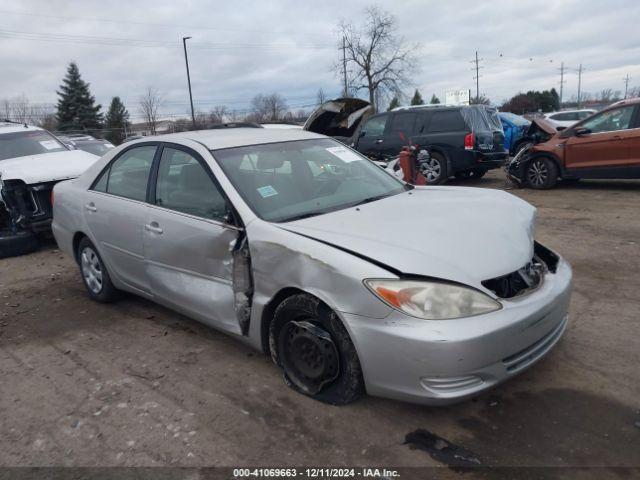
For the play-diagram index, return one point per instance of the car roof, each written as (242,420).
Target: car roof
(12,127)
(236,137)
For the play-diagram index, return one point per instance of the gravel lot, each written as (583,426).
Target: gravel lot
(134,384)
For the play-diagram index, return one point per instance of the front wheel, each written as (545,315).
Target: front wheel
(308,341)
(541,173)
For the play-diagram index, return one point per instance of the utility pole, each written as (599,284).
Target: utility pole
(344,67)
(477,76)
(186,61)
(626,85)
(562,81)
(579,83)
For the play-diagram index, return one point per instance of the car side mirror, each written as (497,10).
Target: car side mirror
(581,131)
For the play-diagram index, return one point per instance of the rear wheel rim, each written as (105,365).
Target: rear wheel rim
(91,269)
(538,173)
(308,355)
(431,169)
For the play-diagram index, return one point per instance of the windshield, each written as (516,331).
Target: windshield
(30,142)
(291,180)
(517,120)
(97,148)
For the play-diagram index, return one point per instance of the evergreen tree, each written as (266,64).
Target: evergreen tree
(116,121)
(434,100)
(76,105)
(417,98)
(394,103)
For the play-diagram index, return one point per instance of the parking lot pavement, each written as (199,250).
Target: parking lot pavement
(136,384)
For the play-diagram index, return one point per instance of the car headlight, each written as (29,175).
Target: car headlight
(432,300)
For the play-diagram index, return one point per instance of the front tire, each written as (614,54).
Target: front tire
(95,276)
(541,173)
(313,348)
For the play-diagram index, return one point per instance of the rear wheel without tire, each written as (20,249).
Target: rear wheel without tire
(94,274)
(308,341)
(434,170)
(541,173)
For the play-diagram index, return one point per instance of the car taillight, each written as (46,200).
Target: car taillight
(469,141)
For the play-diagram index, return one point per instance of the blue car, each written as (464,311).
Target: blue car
(515,127)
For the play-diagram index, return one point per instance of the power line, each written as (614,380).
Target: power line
(137,42)
(120,21)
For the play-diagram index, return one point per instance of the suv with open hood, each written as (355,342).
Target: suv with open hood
(464,141)
(32,160)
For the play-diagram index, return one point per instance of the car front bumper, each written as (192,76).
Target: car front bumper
(444,361)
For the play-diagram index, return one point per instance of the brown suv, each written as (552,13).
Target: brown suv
(604,145)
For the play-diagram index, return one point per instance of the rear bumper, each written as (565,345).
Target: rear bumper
(471,159)
(441,362)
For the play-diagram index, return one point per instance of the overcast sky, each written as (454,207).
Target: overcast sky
(243,48)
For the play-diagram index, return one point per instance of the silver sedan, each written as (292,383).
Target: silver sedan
(297,245)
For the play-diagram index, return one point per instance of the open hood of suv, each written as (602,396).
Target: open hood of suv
(47,167)
(339,118)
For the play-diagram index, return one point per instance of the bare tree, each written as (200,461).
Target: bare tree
(381,60)
(21,109)
(320,97)
(218,114)
(150,102)
(268,107)
(5,109)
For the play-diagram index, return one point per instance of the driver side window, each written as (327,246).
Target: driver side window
(375,126)
(610,121)
(185,186)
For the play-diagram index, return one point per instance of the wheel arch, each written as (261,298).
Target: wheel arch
(548,155)
(75,242)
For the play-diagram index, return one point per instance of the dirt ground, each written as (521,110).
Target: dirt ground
(135,384)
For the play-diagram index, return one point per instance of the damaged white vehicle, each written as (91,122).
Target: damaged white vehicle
(31,162)
(306,250)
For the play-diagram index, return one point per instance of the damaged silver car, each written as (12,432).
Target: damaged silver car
(306,250)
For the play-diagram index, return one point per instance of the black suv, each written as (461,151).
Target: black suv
(464,141)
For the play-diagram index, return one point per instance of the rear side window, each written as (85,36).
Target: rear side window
(446,121)
(129,173)
(185,186)
(565,117)
(375,125)
(402,124)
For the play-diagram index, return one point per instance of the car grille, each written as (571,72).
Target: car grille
(526,357)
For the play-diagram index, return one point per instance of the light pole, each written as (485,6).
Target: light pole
(186,61)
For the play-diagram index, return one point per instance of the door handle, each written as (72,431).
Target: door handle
(153,227)
(91,207)
(379,141)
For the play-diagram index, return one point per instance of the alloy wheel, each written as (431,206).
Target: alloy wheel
(431,169)
(537,173)
(91,269)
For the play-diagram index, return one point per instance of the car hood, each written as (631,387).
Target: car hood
(47,167)
(545,125)
(460,234)
(339,118)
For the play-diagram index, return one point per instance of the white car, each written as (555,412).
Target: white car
(568,118)
(32,160)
